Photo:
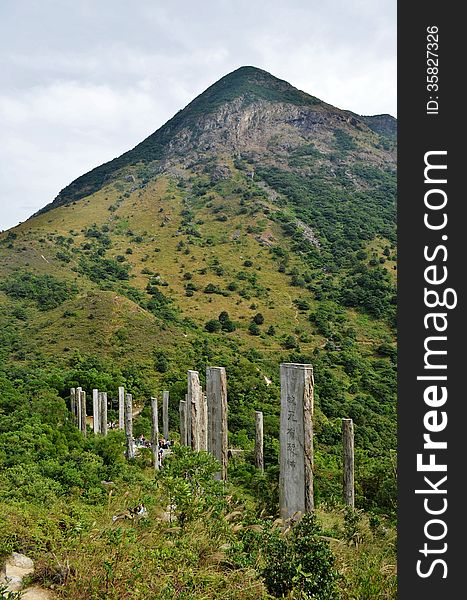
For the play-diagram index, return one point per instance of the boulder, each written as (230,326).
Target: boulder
(15,569)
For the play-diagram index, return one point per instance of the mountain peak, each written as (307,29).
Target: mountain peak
(243,109)
(251,83)
(247,82)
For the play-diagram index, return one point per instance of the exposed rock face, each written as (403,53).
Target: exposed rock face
(248,112)
(264,127)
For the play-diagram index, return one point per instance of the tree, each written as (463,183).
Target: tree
(258,319)
(290,342)
(213,326)
(228,326)
(301,562)
(254,329)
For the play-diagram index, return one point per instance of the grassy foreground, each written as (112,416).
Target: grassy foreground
(200,539)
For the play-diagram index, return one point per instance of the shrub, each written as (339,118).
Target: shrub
(290,342)
(224,316)
(228,326)
(301,563)
(187,479)
(212,289)
(254,329)
(213,326)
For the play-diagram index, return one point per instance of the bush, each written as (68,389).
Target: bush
(254,329)
(301,563)
(228,326)
(290,342)
(258,319)
(212,289)
(213,326)
(187,479)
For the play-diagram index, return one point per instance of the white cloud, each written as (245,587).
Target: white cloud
(82,82)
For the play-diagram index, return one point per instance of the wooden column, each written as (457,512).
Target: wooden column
(183,422)
(73,404)
(195,394)
(155,433)
(216,392)
(349,461)
(96,413)
(104,425)
(83,411)
(121,407)
(203,423)
(296,440)
(130,446)
(259,449)
(165,414)
(78,407)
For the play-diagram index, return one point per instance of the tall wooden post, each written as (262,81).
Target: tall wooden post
(83,411)
(259,449)
(195,394)
(296,440)
(104,424)
(96,413)
(203,423)
(130,446)
(183,422)
(216,392)
(73,404)
(121,407)
(78,407)
(165,414)
(155,433)
(349,461)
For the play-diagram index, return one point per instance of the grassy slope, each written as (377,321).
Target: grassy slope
(94,316)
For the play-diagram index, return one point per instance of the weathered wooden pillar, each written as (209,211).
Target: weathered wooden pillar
(165,414)
(78,407)
(216,392)
(96,413)
(121,407)
(349,462)
(183,422)
(203,423)
(104,424)
(195,394)
(155,433)
(259,449)
(296,440)
(130,446)
(73,404)
(83,411)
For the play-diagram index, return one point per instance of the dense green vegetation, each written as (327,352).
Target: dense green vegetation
(45,290)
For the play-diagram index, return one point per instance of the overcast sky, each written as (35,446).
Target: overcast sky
(82,81)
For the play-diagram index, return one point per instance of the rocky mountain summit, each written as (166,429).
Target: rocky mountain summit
(251,114)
